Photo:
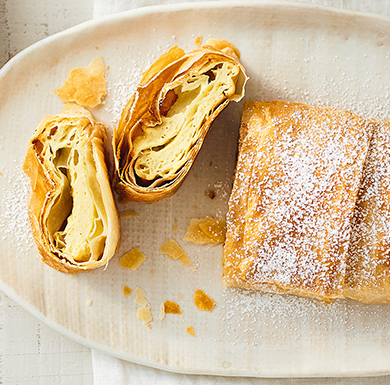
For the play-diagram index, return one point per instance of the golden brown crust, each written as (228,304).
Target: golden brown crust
(150,164)
(296,184)
(368,264)
(70,192)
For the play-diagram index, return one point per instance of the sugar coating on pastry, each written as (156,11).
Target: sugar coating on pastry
(85,86)
(206,231)
(297,179)
(368,264)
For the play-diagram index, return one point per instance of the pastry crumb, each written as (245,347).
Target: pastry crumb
(145,315)
(89,302)
(132,259)
(198,40)
(171,307)
(140,297)
(203,301)
(126,291)
(173,251)
(162,312)
(85,86)
(210,193)
(128,213)
(175,229)
(185,260)
(190,330)
(193,268)
(207,231)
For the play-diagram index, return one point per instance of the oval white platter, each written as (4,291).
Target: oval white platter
(293,52)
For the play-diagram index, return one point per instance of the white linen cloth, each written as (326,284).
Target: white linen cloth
(108,370)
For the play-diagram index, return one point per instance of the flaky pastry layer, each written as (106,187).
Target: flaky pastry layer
(297,180)
(72,212)
(163,126)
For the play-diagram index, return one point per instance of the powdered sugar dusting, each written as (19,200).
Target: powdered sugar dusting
(14,223)
(300,193)
(265,317)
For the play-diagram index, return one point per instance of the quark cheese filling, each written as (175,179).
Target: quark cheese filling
(161,151)
(74,220)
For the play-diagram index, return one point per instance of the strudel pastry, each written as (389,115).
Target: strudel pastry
(163,125)
(72,211)
(296,184)
(368,264)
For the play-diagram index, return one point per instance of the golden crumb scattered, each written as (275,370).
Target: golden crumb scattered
(73,274)
(198,41)
(173,251)
(175,229)
(207,231)
(171,307)
(195,207)
(203,301)
(151,271)
(126,291)
(89,302)
(193,268)
(210,193)
(190,330)
(185,260)
(108,67)
(148,326)
(144,314)
(132,259)
(162,312)
(180,296)
(36,85)
(140,297)
(85,86)
(128,213)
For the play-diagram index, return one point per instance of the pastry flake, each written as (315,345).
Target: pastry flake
(173,251)
(126,291)
(206,231)
(202,301)
(133,259)
(171,307)
(85,86)
(297,179)
(190,330)
(165,122)
(71,208)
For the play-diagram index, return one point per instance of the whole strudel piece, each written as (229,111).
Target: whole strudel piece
(71,208)
(296,184)
(165,122)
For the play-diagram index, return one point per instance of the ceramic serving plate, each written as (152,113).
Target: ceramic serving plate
(293,52)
